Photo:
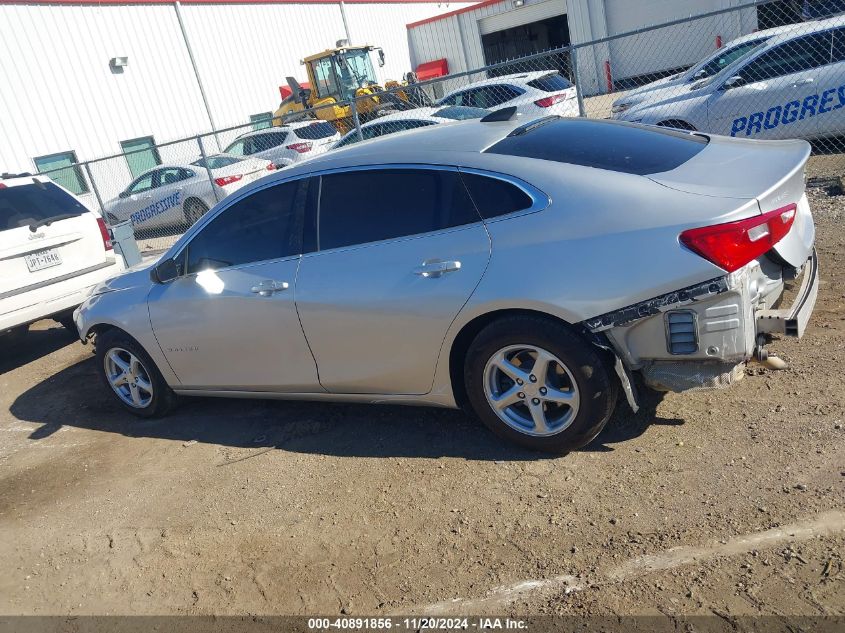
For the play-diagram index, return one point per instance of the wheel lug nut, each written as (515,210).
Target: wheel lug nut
(532,378)
(543,391)
(521,395)
(535,401)
(519,381)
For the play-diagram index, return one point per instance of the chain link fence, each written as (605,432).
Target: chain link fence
(781,82)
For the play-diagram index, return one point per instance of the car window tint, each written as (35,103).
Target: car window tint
(798,55)
(726,58)
(611,145)
(315,131)
(144,183)
(838,45)
(494,197)
(170,175)
(492,96)
(29,204)
(410,201)
(553,82)
(264,225)
(461,113)
(263,142)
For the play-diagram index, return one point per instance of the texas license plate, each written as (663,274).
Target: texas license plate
(43,259)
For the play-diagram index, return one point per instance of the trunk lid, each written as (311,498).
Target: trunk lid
(770,172)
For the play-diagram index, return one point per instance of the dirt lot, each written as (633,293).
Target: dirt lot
(714,502)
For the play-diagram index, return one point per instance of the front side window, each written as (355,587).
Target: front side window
(410,202)
(238,148)
(324,77)
(726,58)
(262,226)
(798,55)
(457,99)
(62,169)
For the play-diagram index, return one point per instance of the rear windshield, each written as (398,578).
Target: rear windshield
(553,82)
(461,113)
(216,162)
(35,204)
(613,145)
(315,131)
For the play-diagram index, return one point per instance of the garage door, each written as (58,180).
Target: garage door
(525,14)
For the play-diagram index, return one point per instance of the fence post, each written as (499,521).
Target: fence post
(353,104)
(573,64)
(96,191)
(207,169)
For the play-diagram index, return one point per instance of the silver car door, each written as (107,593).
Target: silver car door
(777,92)
(138,196)
(389,274)
(229,322)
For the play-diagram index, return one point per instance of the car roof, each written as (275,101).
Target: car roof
(293,125)
(792,31)
(515,78)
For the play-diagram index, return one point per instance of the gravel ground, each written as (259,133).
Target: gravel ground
(727,503)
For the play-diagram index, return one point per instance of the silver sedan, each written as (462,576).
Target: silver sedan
(524,270)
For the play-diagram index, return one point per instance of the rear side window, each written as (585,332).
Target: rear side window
(494,197)
(611,145)
(410,202)
(35,204)
(315,131)
(550,83)
(263,142)
(265,225)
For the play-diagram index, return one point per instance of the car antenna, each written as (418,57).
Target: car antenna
(504,114)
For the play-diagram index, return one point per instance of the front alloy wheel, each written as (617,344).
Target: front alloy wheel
(128,378)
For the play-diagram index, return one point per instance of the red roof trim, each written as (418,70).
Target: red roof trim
(443,16)
(170,2)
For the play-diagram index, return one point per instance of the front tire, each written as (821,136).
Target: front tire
(131,376)
(535,382)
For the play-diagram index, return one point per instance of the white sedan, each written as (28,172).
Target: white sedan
(287,144)
(172,195)
(411,120)
(537,93)
(791,86)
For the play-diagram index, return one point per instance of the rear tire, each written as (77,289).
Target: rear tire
(131,376)
(561,404)
(194,210)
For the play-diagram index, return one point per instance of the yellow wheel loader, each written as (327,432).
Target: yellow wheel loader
(338,75)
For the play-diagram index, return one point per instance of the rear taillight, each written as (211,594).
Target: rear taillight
(300,148)
(546,102)
(733,245)
(270,167)
(227,180)
(104,233)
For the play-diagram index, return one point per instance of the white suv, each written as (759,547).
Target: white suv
(53,249)
(535,94)
(288,144)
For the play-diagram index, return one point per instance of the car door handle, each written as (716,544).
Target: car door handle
(437,268)
(268,287)
(803,82)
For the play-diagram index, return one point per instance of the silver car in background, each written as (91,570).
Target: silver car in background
(173,195)
(523,270)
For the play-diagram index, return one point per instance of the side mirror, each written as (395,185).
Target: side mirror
(734,82)
(380,57)
(701,74)
(165,271)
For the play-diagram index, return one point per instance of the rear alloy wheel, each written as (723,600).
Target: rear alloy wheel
(537,383)
(131,375)
(194,210)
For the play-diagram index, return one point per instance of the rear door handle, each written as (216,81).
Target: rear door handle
(267,287)
(803,82)
(437,268)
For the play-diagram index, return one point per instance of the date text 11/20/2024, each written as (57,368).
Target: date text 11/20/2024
(421,623)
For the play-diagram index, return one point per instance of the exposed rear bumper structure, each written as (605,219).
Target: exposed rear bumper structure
(792,321)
